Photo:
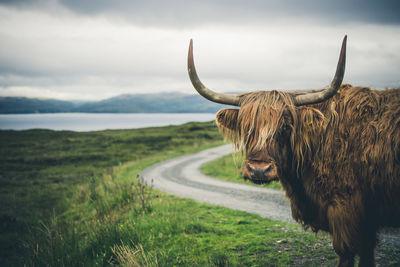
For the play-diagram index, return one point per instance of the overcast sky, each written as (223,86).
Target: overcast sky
(90,50)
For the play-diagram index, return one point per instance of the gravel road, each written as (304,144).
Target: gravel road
(181,176)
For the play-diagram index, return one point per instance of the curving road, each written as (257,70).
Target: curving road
(181,176)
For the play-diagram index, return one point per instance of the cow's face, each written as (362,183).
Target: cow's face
(266,140)
(260,167)
(266,164)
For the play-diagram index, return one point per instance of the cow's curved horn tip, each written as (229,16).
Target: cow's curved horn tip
(191,46)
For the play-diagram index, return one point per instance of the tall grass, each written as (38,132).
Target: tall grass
(54,185)
(135,256)
(95,227)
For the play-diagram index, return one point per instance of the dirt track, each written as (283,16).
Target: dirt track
(182,177)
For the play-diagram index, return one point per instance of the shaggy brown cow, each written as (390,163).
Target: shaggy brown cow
(336,153)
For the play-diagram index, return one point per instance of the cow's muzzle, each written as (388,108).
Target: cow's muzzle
(260,173)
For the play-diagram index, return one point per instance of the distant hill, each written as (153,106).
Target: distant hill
(16,105)
(132,103)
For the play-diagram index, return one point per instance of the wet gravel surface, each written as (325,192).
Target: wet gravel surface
(181,176)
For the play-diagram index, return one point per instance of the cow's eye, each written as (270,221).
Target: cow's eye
(284,130)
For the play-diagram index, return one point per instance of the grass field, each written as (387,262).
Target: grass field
(72,199)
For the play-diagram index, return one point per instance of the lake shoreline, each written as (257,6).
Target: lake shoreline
(82,122)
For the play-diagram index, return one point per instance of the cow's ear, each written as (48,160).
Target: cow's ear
(227,118)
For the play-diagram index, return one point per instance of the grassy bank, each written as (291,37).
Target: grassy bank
(229,168)
(72,199)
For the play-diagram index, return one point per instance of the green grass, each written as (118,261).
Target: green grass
(72,199)
(42,173)
(229,168)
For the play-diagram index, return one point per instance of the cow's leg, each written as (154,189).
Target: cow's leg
(342,228)
(346,257)
(346,260)
(367,257)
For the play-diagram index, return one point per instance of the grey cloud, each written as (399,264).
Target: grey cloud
(193,12)
(181,13)
(16,2)
(26,3)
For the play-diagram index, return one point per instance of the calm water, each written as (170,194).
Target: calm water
(98,121)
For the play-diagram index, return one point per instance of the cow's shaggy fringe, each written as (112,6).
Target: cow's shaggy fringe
(262,115)
(259,116)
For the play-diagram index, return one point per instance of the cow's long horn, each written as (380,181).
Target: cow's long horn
(313,98)
(204,91)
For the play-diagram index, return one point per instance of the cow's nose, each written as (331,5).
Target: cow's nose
(260,171)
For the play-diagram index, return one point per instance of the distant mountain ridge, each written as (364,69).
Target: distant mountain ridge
(172,102)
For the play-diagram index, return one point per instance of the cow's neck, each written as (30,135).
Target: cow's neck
(304,208)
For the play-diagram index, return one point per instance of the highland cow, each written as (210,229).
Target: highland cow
(336,153)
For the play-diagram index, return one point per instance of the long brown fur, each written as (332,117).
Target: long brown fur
(342,172)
